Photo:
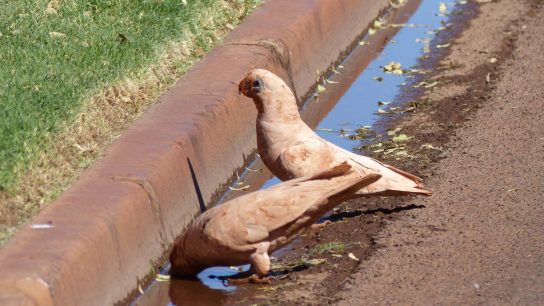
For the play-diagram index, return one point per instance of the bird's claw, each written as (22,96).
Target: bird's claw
(320,225)
(267,280)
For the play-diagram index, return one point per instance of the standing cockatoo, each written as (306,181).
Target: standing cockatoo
(291,149)
(247,229)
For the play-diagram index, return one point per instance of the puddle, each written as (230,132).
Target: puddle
(349,102)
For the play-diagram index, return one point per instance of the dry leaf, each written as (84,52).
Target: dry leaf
(400,138)
(57,34)
(239,189)
(442,8)
(52,7)
(162,277)
(352,256)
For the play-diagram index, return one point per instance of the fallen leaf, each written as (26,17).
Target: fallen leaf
(352,256)
(443,46)
(41,226)
(238,189)
(398,3)
(400,138)
(253,170)
(493,60)
(392,66)
(401,153)
(57,34)
(162,277)
(378,23)
(427,146)
(433,84)
(320,88)
(52,7)
(443,8)
(424,40)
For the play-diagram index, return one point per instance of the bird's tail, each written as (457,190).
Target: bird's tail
(341,180)
(394,182)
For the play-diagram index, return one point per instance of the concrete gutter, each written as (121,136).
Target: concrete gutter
(95,243)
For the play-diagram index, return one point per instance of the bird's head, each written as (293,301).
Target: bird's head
(268,91)
(252,85)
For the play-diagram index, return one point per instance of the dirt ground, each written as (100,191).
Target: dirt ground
(479,144)
(480,238)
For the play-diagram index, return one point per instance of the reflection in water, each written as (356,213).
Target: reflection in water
(214,277)
(193,292)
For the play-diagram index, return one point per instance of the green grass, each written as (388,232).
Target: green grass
(330,247)
(45,76)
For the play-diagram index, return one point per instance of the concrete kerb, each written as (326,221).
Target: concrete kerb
(96,242)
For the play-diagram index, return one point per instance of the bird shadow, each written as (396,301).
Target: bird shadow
(335,217)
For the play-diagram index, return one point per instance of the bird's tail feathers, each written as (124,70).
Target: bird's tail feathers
(401,190)
(339,170)
(414,178)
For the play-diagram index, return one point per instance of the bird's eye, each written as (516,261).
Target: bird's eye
(257,85)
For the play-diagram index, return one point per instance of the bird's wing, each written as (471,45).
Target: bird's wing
(281,205)
(308,156)
(250,218)
(274,211)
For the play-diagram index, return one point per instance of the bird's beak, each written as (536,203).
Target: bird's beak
(245,87)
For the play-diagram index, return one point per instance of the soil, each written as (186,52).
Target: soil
(478,141)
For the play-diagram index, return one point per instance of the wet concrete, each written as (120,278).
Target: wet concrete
(349,102)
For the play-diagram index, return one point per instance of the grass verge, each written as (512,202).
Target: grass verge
(77,73)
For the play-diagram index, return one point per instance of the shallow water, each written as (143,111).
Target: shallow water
(336,112)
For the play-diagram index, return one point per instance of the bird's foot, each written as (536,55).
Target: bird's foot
(253,279)
(320,225)
(267,280)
